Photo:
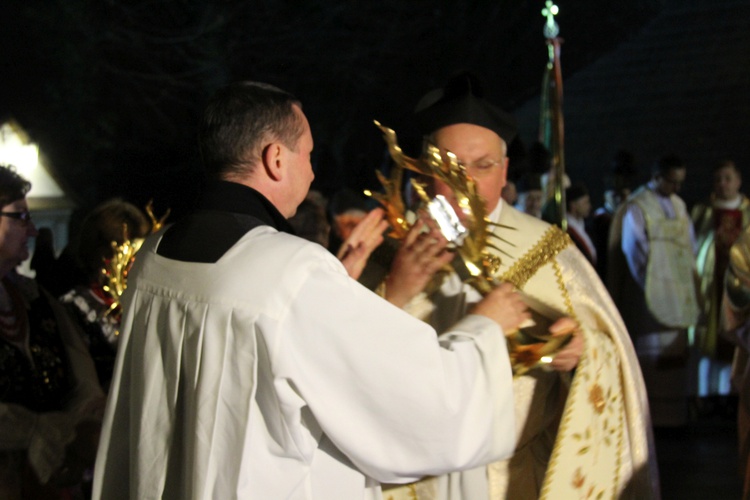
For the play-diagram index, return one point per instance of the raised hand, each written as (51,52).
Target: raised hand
(364,238)
(420,256)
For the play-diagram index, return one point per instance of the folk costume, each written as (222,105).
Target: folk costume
(251,366)
(90,305)
(48,386)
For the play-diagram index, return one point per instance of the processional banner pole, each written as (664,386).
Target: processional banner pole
(551,126)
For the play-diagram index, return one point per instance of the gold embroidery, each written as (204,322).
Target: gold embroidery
(413,491)
(578,479)
(553,241)
(564,290)
(596,398)
(604,431)
(545,250)
(405,491)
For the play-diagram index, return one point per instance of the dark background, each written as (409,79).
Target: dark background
(111,90)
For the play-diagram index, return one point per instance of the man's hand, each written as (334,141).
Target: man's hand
(570,354)
(505,307)
(420,256)
(364,238)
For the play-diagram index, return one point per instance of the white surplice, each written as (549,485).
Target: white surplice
(273,375)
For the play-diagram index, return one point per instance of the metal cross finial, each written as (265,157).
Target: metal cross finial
(551,29)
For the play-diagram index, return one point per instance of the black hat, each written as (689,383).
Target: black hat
(462,101)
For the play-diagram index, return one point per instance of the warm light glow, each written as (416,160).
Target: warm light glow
(16,151)
(24,157)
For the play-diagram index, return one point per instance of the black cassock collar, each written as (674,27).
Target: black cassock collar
(225,213)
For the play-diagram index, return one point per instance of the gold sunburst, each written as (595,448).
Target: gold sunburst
(476,250)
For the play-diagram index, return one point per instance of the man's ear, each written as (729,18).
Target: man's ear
(272,157)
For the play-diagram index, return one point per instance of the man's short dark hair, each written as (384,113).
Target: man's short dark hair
(667,163)
(574,193)
(727,164)
(238,122)
(12,186)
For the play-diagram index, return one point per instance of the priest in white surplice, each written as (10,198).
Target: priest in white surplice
(252,366)
(652,278)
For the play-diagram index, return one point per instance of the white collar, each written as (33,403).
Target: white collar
(576,222)
(494,216)
(729,204)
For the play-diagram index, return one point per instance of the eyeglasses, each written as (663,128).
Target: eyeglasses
(24,216)
(483,164)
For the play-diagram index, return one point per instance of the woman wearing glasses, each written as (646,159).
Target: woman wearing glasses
(50,401)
